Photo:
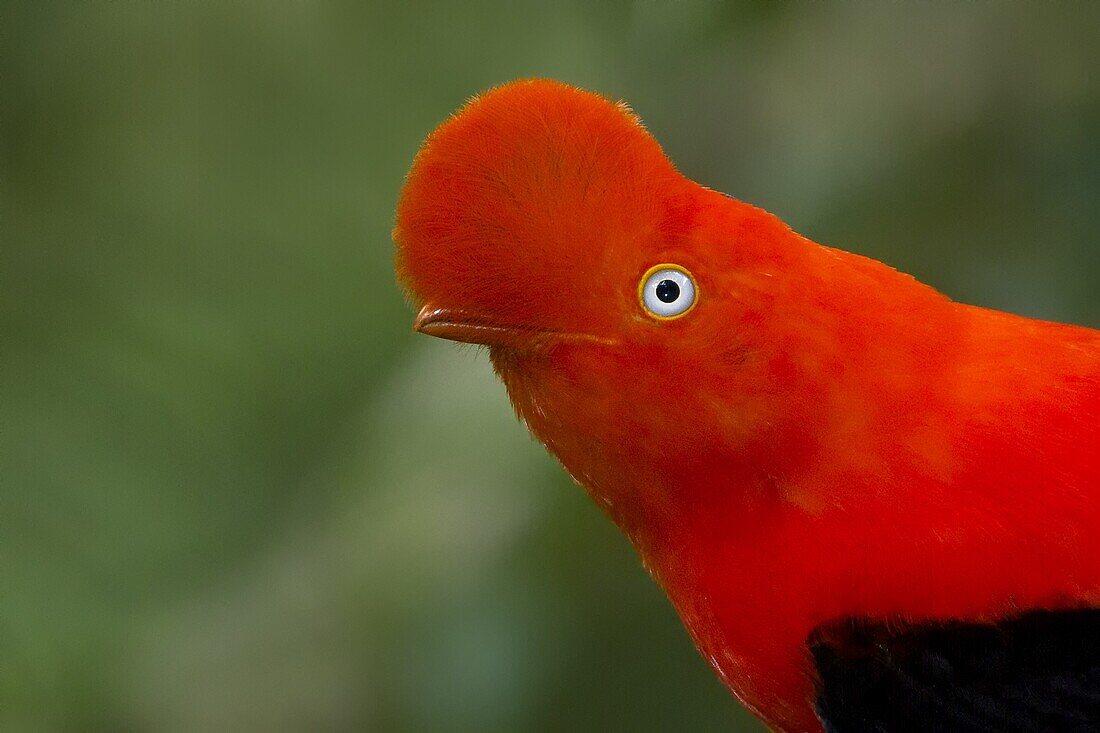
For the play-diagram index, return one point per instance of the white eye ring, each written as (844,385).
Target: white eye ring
(667,291)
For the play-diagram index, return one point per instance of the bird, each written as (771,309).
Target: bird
(874,508)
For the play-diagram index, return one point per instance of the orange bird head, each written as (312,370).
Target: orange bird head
(631,313)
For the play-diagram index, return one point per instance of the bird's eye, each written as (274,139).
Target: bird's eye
(667,291)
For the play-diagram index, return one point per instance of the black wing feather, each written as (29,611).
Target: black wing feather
(1039,671)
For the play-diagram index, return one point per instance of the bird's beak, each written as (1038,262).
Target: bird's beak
(458,325)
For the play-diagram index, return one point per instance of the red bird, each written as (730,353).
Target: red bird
(874,508)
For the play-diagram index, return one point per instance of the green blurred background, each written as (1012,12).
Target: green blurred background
(237,493)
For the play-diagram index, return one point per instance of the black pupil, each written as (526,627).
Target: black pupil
(668,291)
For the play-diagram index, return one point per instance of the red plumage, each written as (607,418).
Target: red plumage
(821,436)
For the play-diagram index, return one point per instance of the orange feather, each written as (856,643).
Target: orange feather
(819,436)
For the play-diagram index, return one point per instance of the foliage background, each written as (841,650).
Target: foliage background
(236,493)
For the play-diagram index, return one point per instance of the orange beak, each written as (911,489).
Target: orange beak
(457,325)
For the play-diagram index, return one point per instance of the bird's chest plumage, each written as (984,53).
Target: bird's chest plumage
(960,513)
(753,600)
